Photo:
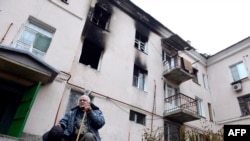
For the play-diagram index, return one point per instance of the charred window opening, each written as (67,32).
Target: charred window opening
(141,42)
(139,78)
(91,54)
(100,17)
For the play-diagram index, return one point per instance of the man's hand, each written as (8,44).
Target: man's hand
(88,109)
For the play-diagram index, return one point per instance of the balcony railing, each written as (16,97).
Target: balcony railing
(177,70)
(181,108)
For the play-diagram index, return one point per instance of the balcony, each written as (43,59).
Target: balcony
(181,108)
(178,70)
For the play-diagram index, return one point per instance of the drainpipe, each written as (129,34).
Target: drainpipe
(153,110)
(6,33)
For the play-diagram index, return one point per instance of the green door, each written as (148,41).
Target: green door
(19,120)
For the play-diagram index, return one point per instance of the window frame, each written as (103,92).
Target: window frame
(200,106)
(195,78)
(210,112)
(140,78)
(244,104)
(86,57)
(100,15)
(205,81)
(168,61)
(238,71)
(137,117)
(141,42)
(32,33)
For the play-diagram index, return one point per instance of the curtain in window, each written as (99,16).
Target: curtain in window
(41,42)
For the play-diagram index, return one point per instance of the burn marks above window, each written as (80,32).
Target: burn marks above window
(100,15)
(91,54)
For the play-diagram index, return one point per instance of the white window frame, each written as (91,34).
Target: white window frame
(140,78)
(28,34)
(168,62)
(205,82)
(139,44)
(200,106)
(238,71)
(170,92)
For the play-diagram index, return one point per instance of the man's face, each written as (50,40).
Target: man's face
(83,102)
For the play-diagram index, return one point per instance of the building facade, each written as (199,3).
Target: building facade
(143,76)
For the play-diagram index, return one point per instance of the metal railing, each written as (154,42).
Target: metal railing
(181,101)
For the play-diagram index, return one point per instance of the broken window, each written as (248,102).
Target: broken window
(141,42)
(244,102)
(137,117)
(91,54)
(139,79)
(100,17)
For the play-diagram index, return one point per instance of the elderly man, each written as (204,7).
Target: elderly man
(81,122)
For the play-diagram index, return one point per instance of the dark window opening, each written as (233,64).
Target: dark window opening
(100,17)
(210,112)
(137,117)
(141,42)
(195,78)
(244,103)
(171,132)
(91,54)
(65,1)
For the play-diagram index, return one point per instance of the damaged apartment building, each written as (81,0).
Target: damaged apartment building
(145,78)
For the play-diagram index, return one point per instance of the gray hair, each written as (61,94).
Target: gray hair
(86,96)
